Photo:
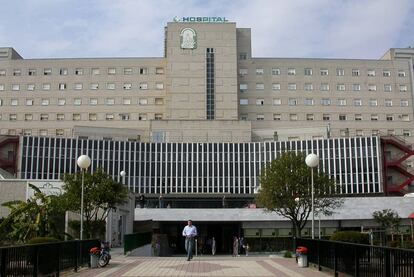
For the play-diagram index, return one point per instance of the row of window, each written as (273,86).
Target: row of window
(78,101)
(78,117)
(80,86)
(329,117)
(82,71)
(323,87)
(323,72)
(325,102)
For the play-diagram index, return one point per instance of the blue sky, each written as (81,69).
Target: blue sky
(134,28)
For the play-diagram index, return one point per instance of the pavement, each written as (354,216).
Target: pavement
(201,266)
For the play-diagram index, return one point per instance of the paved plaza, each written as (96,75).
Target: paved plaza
(202,266)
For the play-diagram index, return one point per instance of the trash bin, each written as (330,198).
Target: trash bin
(302,257)
(94,257)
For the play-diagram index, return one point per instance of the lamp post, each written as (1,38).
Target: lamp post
(122,173)
(83,162)
(312,161)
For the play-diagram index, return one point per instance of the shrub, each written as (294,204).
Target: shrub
(409,244)
(37,240)
(350,236)
(287,254)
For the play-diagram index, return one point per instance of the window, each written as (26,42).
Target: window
(15,87)
(277,102)
(243,71)
(372,88)
(308,72)
(275,71)
(292,101)
(142,116)
(309,102)
(325,102)
(387,88)
(2,87)
(45,102)
(17,72)
(143,71)
(374,117)
(371,72)
(79,71)
(259,86)
(62,86)
(95,71)
(111,71)
(406,133)
(375,132)
(389,117)
(159,101)
(308,87)
(159,70)
(143,86)
(93,117)
(386,73)
(259,71)
(110,86)
(63,71)
(109,116)
(28,117)
(29,102)
(47,71)
(260,117)
(60,117)
(244,102)
(359,133)
(46,86)
(31,87)
(78,86)
(404,103)
(243,116)
(340,87)
(405,117)
(259,102)
(13,117)
(14,102)
(159,85)
(291,71)
(401,73)
(44,117)
(403,88)
(373,102)
(76,117)
(324,72)
(31,72)
(94,86)
(127,86)
(356,87)
(388,103)
(127,71)
(158,116)
(61,102)
(143,101)
(357,102)
(355,72)
(243,56)
(358,117)
(344,132)
(93,101)
(341,102)
(277,116)
(340,72)
(126,101)
(275,86)
(324,87)
(293,117)
(342,117)
(110,101)
(291,86)
(326,117)
(124,116)
(243,87)
(310,117)
(77,101)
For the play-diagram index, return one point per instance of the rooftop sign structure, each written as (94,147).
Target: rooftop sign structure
(199,19)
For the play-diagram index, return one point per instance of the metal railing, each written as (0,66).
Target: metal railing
(44,259)
(135,240)
(359,259)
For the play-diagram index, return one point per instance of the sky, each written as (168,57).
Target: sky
(135,28)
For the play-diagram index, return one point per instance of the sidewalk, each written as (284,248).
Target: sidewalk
(202,266)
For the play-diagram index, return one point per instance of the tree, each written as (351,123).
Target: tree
(388,219)
(286,190)
(101,195)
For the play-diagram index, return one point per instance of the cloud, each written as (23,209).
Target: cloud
(295,28)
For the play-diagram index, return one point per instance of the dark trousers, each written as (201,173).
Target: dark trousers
(189,246)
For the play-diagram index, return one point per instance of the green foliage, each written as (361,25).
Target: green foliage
(287,254)
(388,219)
(101,195)
(286,190)
(42,240)
(350,236)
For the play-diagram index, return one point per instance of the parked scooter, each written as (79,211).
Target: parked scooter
(103,253)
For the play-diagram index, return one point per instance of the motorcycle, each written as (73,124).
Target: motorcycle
(103,253)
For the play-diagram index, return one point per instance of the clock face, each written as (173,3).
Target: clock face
(188,38)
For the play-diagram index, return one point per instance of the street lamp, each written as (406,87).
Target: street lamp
(83,162)
(312,161)
(122,173)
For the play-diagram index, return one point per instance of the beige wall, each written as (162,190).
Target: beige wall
(11,190)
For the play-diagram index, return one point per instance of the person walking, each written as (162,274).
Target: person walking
(213,246)
(189,232)
(235,247)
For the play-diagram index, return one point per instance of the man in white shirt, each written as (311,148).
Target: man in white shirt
(189,232)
